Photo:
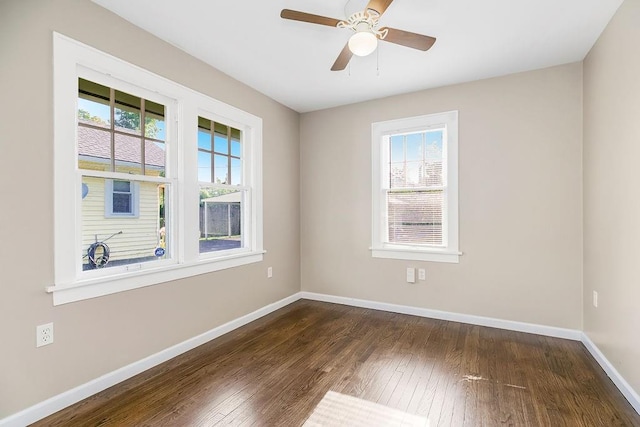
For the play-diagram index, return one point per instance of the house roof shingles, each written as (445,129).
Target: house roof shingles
(96,143)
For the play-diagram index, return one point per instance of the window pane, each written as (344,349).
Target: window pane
(220,219)
(128,154)
(221,169)
(397,175)
(236,172)
(93,104)
(94,113)
(434,158)
(415,217)
(122,203)
(413,174)
(122,186)
(115,241)
(94,149)
(397,164)
(221,144)
(154,158)
(127,113)
(204,140)
(432,173)
(236,148)
(204,166)
(414,147)
(397,149)
(434,145)
(154,120)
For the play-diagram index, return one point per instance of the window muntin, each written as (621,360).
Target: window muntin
(415,202)
(222,194)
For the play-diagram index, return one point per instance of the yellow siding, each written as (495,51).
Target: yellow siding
(95,166)
(139,235)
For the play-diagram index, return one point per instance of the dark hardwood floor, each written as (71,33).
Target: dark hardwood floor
(276,370)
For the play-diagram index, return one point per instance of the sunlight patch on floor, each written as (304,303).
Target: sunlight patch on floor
(336,409)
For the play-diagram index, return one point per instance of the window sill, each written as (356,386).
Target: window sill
(417,254)
(93,288)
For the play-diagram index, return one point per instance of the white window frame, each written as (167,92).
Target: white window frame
(380,133)
(72,60)
(134,191)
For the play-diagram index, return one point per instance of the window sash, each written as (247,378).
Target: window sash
(113,99)
(112,229)
(387,224)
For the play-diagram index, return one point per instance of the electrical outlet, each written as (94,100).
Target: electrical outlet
(269,272)
(422,274)
(595,299)
(44,334)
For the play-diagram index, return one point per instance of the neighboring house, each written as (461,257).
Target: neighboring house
(110,206)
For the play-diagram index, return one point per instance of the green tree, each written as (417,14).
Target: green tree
(131,120)
(85,115)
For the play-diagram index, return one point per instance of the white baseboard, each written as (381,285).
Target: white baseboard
(628,392)
(510,325)
(63,400)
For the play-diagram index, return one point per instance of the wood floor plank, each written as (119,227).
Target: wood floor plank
(276,370)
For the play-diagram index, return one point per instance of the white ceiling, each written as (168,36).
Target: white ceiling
(290,61)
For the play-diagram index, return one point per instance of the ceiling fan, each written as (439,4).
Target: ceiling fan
(367,33)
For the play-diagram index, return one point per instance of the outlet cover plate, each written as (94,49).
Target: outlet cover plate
(44,334)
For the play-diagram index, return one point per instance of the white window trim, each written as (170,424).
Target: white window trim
(108,200)
(73,59)
(379,157)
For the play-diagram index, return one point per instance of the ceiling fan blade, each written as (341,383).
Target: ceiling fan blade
(379,5)
(294,15)
(343,59)
(406,38)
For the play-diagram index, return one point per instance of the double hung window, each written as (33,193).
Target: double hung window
(220,180)
(415,205)
(153,181)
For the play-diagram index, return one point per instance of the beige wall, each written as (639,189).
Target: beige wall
(521,206)
(97,336)
(611,196)
(520,141)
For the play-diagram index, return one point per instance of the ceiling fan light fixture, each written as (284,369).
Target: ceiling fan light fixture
(363,43)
